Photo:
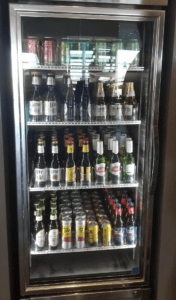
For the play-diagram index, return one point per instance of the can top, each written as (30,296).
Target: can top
(93,223)
(80,217)
(67,218)
(106,222)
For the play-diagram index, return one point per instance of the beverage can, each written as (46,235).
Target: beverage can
(66,232)
(93,234)
(33,46)
(49,51)
(106,233)
(64,51)
(80,223)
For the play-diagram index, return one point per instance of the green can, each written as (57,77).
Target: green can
(134,45)
(64,51)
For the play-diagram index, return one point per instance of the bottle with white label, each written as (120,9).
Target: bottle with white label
(50,104)
(36,103)
(39,231)
(115,105)
(130,105)
(40,166)
(115,166)
(100,165)
(100,105)
(128,163)
(53,232)
(55,165)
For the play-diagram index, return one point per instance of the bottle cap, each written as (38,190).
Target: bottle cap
(118,205)
(129,145)
(115,147)
(112,196)
(116,200)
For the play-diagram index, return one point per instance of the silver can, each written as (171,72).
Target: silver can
(80,224)
(66,232)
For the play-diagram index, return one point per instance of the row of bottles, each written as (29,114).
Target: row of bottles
(84,219)
(86,166)
(96,101)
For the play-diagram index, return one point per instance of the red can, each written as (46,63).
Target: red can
(49,51)
(33,46)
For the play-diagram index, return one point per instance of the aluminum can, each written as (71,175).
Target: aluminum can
(66,232)
(106,233)
(62,215)
(101,211)
(80,224)
(89,220)
(64,51)
(49,51)
(102,219)
(33,46)
(93,234)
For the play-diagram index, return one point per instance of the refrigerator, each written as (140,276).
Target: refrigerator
(86,90)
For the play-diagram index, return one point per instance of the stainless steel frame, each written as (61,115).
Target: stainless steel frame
(157,17)
(132,2)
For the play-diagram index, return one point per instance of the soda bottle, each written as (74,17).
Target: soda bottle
(119,229)
(131,228)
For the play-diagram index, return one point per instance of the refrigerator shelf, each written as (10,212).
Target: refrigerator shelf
(90,249)
(79,187)
(137,122)
(27,66)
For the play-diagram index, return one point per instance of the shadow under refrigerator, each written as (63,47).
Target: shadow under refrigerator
(86,85)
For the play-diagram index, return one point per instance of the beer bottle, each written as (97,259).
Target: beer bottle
(40,167)
(50,104)
(130,103)
(115,166)
(100,165)
(115,105)
(128,202)
(39,230)
(85,104)
(55,165)
(42,205)
(69,105)
(119,229)
(131,228)
(36,103)
(53,232)
(70,174)
(128,163)
(100,105)
(85,169)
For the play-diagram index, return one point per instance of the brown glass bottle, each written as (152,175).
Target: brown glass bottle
(85,168)
(70,174)
(130,105)
(100,105)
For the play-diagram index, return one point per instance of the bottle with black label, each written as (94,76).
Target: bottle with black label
(130,105)
(36,103)
(40,167)
(39,231)
(115,166)
(50,104)
(55,165)
(131,228)
(100,105)
(128,163)
(100,165)
(85,168)
(53,232)
(115,104)
(70,171)
(119,229)
(85,104)
(69,104)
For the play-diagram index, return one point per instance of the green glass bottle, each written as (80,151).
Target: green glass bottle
(100,166)
(128,163)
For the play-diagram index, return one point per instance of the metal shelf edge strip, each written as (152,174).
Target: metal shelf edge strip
(138,122)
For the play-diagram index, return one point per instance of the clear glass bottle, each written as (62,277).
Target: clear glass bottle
(50,103)
(115,104)
(36,103)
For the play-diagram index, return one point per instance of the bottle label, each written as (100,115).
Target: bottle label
(66,234)
(40,175)
(119,235)
(115,110)
(54,174)
(85,148)
(100,169)
(94,144)
(34,108)
(130,169)
(70,174)
(38,218)
(123,201)
(53,217)
(87,175)
(41,108)
(130,210)
(129,146)
(70,149)
(107,235)
(40,238)
(93,235)
(115,168)
(36,80)
(81,233)
(40,149)
(50,108)
(100,111)
(130,94)
(129,110)
(131,234)
(100,94)
(50,80)
(54,149)
(53,237)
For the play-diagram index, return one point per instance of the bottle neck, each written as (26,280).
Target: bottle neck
(85,155)
(54,156)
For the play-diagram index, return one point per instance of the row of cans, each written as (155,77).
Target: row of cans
(73,48)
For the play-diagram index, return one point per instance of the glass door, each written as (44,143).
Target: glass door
(85,111)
